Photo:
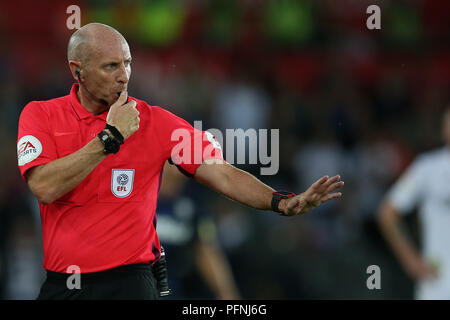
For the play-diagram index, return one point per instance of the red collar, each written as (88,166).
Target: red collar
(80,111)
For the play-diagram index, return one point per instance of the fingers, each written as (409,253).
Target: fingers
(334,186)
(318,193)
(132,103)
(331,196)
(319,182)
(332,180)
(324,183)
(323,187)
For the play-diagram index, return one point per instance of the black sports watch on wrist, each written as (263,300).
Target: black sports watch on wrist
(277,196)
(116,133)
(111,144)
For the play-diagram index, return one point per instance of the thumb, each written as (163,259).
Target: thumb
(292,203)
(122,98)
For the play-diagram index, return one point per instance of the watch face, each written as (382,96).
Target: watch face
(111,144)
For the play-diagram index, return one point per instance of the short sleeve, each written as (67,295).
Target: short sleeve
(35,145)
(408,191)
(183,145)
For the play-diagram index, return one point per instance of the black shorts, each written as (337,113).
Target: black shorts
(135,281)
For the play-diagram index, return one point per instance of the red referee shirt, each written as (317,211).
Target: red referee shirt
(109,219)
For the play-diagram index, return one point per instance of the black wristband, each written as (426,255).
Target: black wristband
(112,145)
(116,133)
(277,197)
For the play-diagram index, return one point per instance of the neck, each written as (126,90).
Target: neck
(90,103)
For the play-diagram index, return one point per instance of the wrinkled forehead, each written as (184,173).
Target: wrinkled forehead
(112,47)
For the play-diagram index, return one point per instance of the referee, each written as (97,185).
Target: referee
(94,160)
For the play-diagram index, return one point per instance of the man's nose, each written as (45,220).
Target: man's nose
(123,76)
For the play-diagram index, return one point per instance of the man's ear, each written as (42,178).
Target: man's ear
(75,69)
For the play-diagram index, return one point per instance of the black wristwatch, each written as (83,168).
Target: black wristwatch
(116,133)
(277,196)
(112,145)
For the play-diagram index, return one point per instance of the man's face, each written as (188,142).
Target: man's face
(108,69)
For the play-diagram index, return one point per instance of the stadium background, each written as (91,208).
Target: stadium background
(346,100)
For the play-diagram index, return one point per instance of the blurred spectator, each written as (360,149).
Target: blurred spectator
(423,185)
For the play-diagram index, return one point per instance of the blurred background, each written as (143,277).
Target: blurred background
(348,100)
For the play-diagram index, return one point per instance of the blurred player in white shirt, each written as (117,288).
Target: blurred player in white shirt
(425,185)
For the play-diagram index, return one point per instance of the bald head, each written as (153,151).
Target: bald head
(91,39)
(100,60)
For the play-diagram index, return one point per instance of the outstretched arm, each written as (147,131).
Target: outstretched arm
(243,187)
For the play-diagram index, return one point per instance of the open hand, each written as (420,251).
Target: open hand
(318,193)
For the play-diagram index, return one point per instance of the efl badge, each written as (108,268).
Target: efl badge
(28,149)
(122,182)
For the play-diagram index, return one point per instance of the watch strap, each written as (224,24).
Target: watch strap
(277,196)
(111,145)
(116,133)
